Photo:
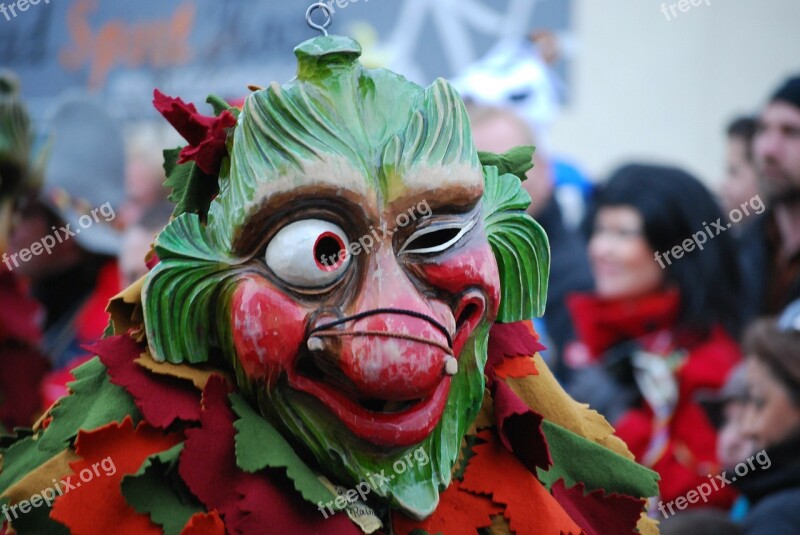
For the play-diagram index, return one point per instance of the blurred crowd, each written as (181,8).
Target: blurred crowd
(673,310)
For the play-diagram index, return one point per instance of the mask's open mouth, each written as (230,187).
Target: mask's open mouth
(387,407)
(381,421)
(388,387)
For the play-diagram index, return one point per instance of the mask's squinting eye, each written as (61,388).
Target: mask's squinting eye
(311,253)
(436,238)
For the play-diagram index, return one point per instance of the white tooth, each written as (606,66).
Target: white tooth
(315,344)
(451,366)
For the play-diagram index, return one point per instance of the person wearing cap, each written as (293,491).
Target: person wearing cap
(72,225)
(23,365)
(770,253)
(772,421)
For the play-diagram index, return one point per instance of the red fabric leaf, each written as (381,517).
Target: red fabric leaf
(206,135)
(508,340)
(208,462)
(459,513)
(204,524)
(151,260)
(597,513)
(95,504)
(161,399)
(520,429)
(246,502)
(529,508)
(182,116)
(287,511)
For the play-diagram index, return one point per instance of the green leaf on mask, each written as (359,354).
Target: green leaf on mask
(259,446)
(192,189)
(520,247)
(220,105)
(577,459)
(157,490)
(518,161)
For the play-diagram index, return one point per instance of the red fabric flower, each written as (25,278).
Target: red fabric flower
(206,135)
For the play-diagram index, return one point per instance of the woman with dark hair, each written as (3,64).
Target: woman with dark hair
(772,421)
(659,327)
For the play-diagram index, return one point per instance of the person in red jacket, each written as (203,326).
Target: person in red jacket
(66,241)
(657,330)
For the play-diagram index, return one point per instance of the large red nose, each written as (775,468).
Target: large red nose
(404,359)
(406,356)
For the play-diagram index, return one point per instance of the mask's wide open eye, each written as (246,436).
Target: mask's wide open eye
(311,253)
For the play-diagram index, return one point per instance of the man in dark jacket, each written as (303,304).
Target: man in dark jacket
(771,246)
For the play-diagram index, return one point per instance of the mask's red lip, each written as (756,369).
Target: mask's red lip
(404,428)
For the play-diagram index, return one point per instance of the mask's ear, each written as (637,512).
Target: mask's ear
(181,294)
(519,244)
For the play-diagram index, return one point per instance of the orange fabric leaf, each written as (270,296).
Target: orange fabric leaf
(516,367)
(95,504)
(529,508)
(204,524)
(459,513)
(509,340)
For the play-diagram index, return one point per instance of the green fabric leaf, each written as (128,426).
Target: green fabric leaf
(19,459)
(192,189)
(177,179)
(259,445)
(35,522)
(171,157)
(95,402)
(577,459)
(157,490)
(518,161)
(520,247)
